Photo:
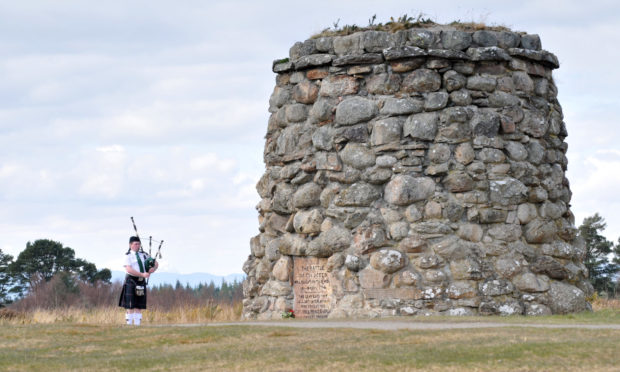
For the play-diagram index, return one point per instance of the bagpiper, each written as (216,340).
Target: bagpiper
(133,295)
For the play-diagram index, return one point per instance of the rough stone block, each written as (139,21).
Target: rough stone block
(403,190)
(421,126)
(422,38)
(457,40)
(350,44)
(357,195)
(308,222)
(452,80)
(401,106)
(566,298)
(338,85)
(485,38)
(371,278)
(354,110)
(357,156)
(421,80)
(386,131)
(307,196)
(528,282)
(388,260)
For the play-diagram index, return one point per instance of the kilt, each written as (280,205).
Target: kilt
(128,299)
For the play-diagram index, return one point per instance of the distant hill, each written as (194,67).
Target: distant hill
(192,279)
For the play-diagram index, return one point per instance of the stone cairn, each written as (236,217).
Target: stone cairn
(415,173)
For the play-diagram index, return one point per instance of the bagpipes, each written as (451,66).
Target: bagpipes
(150,261)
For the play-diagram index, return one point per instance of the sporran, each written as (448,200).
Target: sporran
(139,290)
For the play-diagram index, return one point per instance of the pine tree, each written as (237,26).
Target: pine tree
(44,258)
(598,249)
(6,279)
(616,261)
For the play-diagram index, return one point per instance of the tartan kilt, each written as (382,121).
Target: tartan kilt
(128,298)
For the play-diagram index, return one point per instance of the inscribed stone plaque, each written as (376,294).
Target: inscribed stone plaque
(312,288)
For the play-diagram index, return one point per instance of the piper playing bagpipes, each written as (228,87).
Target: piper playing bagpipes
(139,266)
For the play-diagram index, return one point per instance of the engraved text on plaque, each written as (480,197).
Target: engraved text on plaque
(312,288)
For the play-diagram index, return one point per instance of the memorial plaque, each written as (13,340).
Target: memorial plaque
(312,288)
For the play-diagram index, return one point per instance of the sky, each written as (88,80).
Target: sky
(158,110)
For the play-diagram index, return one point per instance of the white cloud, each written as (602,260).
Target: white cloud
(7,170)
(197,184)
(111,149)
(103,172)
(211,161)
(602,176)
(245,177)
(595,183)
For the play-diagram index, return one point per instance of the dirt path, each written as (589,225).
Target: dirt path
(396,325)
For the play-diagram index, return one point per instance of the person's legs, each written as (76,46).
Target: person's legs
(137,316)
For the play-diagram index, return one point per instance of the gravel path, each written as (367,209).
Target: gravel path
(396,325)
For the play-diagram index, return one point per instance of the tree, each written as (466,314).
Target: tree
(598,250)
(87,272)
(103,275)
(616,261)
(6,279)
(44,258)
(63,287)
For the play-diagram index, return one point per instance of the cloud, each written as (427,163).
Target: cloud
(7,170)
(211,161)
(601,177)
(113,149)
(103,174)
(595,180)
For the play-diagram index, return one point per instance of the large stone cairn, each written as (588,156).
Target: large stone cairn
(427,167)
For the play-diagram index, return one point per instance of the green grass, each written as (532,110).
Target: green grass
(604,316)
(104,347)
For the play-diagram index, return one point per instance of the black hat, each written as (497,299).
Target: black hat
(133,239)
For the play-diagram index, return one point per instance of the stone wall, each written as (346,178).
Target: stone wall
(420,172)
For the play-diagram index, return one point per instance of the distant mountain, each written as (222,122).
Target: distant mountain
(192,279)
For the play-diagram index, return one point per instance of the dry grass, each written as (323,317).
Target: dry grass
(600,304)
(114,315)
(405,22)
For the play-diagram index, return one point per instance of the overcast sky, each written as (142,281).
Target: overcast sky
(158,110)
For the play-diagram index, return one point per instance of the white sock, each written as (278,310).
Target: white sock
(128,318)
(137,318)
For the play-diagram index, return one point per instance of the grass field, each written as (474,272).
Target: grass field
(99,341)
(62,347)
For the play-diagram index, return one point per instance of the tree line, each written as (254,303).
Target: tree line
(47,274)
